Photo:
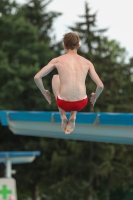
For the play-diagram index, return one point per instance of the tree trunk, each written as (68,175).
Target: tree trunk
(90,191)
(90,197)
(35,193)
(108,196)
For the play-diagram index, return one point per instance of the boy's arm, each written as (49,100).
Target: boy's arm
(38,78)
(94,76)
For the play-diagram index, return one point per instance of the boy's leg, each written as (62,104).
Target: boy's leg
(56,90)
(71,124)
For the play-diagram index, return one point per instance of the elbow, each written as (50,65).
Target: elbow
(36,78)
(101,86)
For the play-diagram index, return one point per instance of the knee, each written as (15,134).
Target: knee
(55,78)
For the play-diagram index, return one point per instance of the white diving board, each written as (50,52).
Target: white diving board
(99,127)
(19,157)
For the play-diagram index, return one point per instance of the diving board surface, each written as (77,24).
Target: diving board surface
(99,127)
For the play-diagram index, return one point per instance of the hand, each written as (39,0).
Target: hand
(93,98)
(47,96)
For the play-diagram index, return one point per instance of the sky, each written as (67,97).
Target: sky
(116,15)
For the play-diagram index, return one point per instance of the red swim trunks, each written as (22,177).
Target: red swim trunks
(71,105)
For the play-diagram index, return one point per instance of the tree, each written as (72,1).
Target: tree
(89,34)
(108,58)
(7,7)
(22,55)
(35,11)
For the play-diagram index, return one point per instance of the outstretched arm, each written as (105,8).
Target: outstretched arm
(38,78)
(94,76)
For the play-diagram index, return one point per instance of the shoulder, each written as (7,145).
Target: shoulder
(90,64)
(57,59)
(53,62)
(86,62)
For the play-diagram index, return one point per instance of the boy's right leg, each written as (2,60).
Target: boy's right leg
(56,91)
(71,124)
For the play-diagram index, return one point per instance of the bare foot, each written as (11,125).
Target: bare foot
(64,123)
(70,126)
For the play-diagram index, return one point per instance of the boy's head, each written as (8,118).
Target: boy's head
(71,41)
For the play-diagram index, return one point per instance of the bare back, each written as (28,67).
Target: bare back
(72,71)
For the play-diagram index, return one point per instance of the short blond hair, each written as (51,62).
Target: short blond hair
(71,40)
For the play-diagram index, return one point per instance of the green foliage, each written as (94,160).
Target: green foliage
(7,7)
(107,169)
(36,13)
(89,34)
(108,58)
(21,58)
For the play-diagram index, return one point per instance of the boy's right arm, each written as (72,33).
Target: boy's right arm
(38,78)
(94,76)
